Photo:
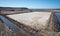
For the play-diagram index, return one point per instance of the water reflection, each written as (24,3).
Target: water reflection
(57,14)
(9,23)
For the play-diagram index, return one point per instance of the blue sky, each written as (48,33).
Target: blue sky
(39,4)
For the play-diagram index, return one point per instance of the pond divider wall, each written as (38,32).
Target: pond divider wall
(52,27)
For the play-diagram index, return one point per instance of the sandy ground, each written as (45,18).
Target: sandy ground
(32,19)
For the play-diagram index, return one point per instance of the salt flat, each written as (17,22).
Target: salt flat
(36,20)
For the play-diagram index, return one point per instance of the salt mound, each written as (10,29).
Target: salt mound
(36,20)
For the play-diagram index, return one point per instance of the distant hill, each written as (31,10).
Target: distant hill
(12,8)
(4,8)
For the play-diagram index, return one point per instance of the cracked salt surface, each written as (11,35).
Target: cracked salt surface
(36,20)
